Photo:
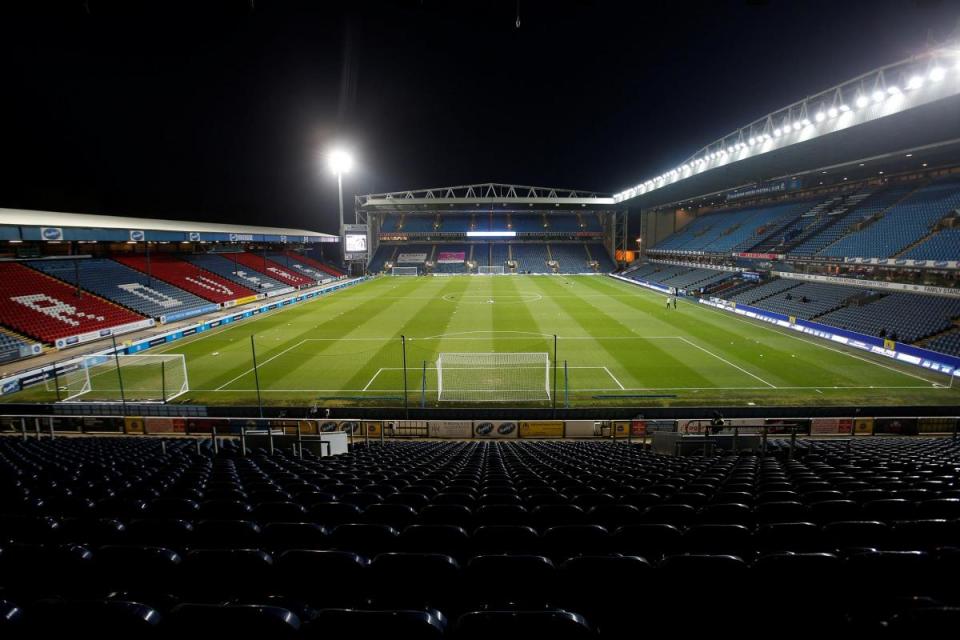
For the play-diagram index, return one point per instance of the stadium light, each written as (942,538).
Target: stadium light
(893,90)
(340,162)
(915,82)
(820,117)
(844,108)
(862,101)
(937,74)
(879,96)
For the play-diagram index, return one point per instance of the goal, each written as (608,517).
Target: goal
(404,271)
(489,271)
(131,378)
(493,377)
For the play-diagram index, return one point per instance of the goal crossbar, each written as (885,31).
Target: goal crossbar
(133,377)
(493,377)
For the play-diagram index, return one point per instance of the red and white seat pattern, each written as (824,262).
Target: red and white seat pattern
(47,309)
(273,269)
(316,264)
(186,276)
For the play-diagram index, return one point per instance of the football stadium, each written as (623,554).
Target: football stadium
(718,399)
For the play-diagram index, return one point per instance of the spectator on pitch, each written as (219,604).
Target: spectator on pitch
(674,302)
(668,302)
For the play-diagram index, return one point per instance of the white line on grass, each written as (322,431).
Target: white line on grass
(259,364)
(764,325)
(880,388)
(756,377)
(619,384)
(372,378)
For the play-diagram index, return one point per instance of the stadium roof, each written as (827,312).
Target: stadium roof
(910,104)
(162,229)
(486,194)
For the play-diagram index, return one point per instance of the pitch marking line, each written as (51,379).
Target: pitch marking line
(259,364)
(619,384)
(818,389)
(755,377)
(765,325)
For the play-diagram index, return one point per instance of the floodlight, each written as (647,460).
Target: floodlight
(340,161)
(797,126)
(844,108)
(776,132)
(878,96)
(805,122)
(752,141)
(915,82)
(893,90)
(820,117)
(937,74)
(862,101)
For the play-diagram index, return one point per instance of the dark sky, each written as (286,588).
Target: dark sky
(221,110)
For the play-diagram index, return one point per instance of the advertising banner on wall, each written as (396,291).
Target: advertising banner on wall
(831,426)
(541,429)
(582,428)
(863,426)
(495,429)
(450,428)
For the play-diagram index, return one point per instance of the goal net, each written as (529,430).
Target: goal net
(131,378)
(404,271)
(493,377)
(490,270)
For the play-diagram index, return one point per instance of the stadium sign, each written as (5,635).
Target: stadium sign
(903,262)
(417,258)
(137,235)
(759,256)
(759,190)
(872,284)
(51,233)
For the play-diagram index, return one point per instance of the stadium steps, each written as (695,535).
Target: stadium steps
(316,264)
(949,221)
(773,241)
(877,216)
(927,340)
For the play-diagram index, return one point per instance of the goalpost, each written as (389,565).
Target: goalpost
(490,271)
(493,377)
(131,378)
(404,271)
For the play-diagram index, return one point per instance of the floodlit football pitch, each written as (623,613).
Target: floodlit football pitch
(616,345)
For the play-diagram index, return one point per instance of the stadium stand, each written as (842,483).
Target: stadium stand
(591,222)
(809,300)
(908,316)
(902,225)
(45,308)
(11,345)
(188,277)
(125,286)
(418,224)
(498,254)
(501,539)
(292,265)
(390,222)
(272,269)
(225,266)
(599,253)
(455,223)
(563,223)
(315,261)
(697,278)
(527,223)
(530,257)
(450,267)
(948,343)
(942,245)
(765,290)
(572,258)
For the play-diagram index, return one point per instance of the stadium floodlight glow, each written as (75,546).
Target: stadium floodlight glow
(862,101)
(491,234)
(752,141)
(340,161)
(805,122)
(776,132)
(937,74)
(893,90)
(820,117)
(915,82)
(879,96)
(797,126)
(833,112)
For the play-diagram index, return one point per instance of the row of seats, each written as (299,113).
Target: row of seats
(273,269)
(809,300)
(125,286)
(187,277)
(227,266)
(47,309)
(902,225)
(860,531)
(906,317)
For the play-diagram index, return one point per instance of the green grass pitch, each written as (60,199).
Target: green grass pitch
(620,343)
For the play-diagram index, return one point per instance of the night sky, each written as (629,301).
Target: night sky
(222,110)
